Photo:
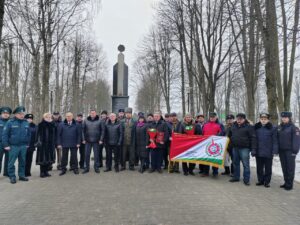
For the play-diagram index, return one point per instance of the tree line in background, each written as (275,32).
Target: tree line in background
(49,59)
(227,56)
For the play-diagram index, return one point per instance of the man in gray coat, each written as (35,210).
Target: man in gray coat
(93,135)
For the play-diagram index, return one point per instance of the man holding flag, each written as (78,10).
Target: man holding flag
(212,127)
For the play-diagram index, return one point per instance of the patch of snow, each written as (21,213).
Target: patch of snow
(277,166)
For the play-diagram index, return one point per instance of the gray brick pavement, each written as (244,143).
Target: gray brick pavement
(133,198)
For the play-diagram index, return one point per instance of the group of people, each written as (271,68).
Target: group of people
(127,141)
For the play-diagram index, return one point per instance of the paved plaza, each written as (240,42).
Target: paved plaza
(145,199)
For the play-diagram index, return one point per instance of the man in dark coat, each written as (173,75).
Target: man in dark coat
(15,139)
(57,120)
(189,128)
(79,121)
(243,140)
(128,148)
(5,114)
(31,148)
(200,120)
(93,135)
(227,164)
(176,126)
(289,144)
(267,147)
(162,136)
(113,139)
(69,139)
(103,118)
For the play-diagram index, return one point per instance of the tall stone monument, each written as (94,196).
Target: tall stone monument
(120,82)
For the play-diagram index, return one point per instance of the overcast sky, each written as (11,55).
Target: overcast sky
(123,22)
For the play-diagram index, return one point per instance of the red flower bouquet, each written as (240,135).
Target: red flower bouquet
(152,134)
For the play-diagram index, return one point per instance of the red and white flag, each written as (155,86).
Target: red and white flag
(208,150)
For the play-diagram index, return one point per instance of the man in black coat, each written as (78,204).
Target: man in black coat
(31,148)
(93,135)
(243,140)
(113,139)
(69,139)
(103,118)
(79,121)
(162,137)
(176,126)
(57,120)
(267,147)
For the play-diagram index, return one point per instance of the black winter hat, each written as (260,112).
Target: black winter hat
(230,117)
(141,114)
(286,114)
(149,114)
(173,114)
(241,115)
(29,116)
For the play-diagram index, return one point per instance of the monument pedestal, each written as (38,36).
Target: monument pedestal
(119,102)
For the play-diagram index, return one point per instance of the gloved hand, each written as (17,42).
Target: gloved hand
(253,153)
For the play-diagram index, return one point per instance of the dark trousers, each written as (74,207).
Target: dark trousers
(82,155)
(264,169)
(206,170)
(88,149)
(73,160)
(188,167)
(4,154)
(165,157)
(128,150)
(28,163)
(101,155)
(110,150)
(156,155)
(44,169)
(230,151)
(288,165)
(201,168)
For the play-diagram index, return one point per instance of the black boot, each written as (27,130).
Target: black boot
(42,172)
(227,171)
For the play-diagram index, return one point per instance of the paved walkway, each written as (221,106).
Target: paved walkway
(133,198)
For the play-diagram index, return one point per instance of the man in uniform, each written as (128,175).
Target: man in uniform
(128,141)
(5,114)
(15,139)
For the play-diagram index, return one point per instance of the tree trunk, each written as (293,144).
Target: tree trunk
(2,5)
